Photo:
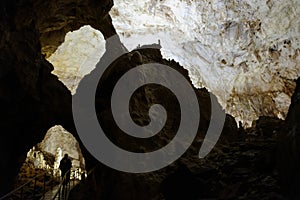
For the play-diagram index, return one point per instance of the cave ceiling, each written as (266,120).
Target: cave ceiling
(245,52)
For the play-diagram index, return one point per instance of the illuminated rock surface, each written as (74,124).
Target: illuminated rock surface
(58,139)
(77,56)
(245,52)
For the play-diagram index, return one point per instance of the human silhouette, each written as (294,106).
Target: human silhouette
(65,167)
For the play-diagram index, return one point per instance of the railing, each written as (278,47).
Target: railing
(63,189)
(20,190)
(61,193)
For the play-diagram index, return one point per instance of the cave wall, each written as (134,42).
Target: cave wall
(289,148)
(57,17)
(32,99)
(107,183)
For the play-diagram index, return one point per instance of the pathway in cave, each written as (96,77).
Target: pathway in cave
(51,194)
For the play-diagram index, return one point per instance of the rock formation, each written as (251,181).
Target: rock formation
(58,138)
(289,148)
(245,52)
(33,99)
(106,183)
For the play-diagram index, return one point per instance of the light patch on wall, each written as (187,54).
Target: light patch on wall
(77,56)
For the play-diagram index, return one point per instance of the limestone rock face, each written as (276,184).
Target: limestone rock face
(77,56)
(58,138)
(245,52)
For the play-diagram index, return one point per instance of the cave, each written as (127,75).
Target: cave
(243,57)
(48,153)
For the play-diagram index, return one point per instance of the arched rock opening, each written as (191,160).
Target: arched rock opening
(55,144)
(33,100)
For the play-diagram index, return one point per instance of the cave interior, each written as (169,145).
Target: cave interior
(246,54)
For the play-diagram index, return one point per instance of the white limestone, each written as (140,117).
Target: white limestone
(235,48)
(58,142)
(77,56)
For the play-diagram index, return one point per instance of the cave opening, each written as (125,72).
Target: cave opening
(48,153)
(43,160)
(73,59)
